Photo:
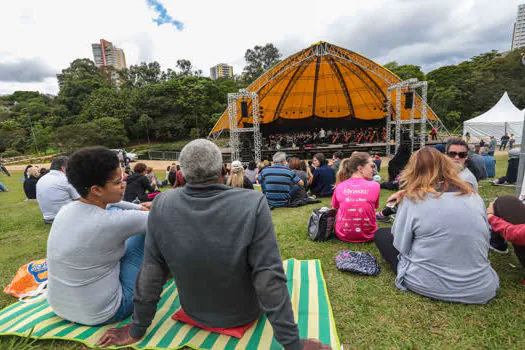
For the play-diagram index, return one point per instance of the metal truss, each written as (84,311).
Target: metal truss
(235,131)
(409,85)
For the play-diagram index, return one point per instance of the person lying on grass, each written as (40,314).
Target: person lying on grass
(439,242)
(94,254)
(220,245)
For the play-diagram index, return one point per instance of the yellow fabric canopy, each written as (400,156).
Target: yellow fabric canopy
(324,81)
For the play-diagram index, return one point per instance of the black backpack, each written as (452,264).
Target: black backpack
(321,224)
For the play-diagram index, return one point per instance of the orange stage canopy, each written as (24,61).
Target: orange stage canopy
(324,81)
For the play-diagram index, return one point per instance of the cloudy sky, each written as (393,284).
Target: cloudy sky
(40,38)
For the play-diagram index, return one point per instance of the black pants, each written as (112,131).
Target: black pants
(510,209)
(503,145)
(384,241)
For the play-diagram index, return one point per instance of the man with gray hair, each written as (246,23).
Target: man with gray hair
(277,181)
(220,245)
(53,191)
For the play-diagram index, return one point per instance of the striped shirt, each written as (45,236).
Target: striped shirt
(276,182)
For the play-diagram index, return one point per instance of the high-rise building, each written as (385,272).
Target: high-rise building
(518,37)
(222,70)
(105,54)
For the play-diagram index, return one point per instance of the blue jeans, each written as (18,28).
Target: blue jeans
(129,269)
(2,187)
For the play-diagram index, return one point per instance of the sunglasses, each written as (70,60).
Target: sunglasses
(459,154)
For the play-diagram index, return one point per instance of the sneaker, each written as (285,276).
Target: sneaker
(381,218)
(499,248)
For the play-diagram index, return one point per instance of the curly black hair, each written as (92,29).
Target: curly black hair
(91,166)
(321,158)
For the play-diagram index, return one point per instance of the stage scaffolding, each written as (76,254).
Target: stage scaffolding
(238,152)
(409,126)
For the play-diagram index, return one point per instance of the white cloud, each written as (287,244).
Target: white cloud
(429,33)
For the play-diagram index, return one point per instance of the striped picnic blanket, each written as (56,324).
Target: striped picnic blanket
(306,285)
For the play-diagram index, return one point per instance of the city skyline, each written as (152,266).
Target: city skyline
(105,54)
(221,70)
(518,36)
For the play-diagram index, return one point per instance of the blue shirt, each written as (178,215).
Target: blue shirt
(276,182)
(490,165)
(323,181)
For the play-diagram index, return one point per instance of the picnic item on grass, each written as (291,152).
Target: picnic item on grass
(357,262)
(30,280)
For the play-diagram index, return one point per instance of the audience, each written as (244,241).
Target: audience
(154,181)
(511,176)
(336,159)
(179,178)
(94,254)
(237,177)
(251,171)
(440,239)
(137,184)
(457,150)
(299,168)
(492,146)
(507,219)
(490,164)
(277,181)
(237,252)
(172,174)
(33,174)
(53,191)
(323,179)
(355,198)
(476,164)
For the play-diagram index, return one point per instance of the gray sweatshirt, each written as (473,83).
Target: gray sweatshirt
(220,245)
(443,246)
(84,249)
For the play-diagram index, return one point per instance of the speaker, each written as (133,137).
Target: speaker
(409,99)
(244,109)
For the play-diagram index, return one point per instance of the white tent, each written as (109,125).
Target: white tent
(503,118)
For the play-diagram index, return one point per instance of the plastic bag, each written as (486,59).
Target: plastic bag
(30,281)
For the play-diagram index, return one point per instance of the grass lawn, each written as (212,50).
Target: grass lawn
(369,311)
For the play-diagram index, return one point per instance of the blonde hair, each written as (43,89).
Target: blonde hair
(236,179)
(429,171)
(34,171)
(349,166)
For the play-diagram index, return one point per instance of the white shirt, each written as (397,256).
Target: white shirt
(53,191)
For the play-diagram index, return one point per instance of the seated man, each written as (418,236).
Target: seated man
(511,176)
(221,249)
(53,191)
(457,150)
(277,180)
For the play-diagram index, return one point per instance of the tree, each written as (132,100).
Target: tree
(145,121)
(406,71)
(142,74)
(260,59)
(185,67)
(78,81)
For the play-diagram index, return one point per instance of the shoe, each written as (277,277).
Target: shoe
(381,218)
(499,248)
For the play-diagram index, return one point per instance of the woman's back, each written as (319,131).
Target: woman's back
(443,244)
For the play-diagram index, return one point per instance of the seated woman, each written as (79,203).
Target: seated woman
(94,254)
(299,168)
(137,184)
(237,177)
(251,171)
(356,197)
(33,175)
(507,219)
(323,177)
(439,242)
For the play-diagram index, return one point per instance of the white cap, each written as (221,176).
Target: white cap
(236,164)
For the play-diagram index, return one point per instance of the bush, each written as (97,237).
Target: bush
(10,153)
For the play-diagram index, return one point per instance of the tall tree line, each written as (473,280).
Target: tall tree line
(151,104)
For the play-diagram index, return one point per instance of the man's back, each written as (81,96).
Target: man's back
(216,240)
(53,191)
(276,182)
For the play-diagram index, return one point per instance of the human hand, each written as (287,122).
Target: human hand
(146,206)
(490,209)
(398,196)
(117,336)
(314,344)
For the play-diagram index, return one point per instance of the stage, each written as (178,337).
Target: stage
(328,150)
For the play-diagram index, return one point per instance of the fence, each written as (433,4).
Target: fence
(163,155)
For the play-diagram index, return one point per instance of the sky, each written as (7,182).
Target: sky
(40,38)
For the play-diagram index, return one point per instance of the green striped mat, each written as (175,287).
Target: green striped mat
(306,285)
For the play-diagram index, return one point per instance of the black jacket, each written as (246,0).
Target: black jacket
(136,186)
(30,187)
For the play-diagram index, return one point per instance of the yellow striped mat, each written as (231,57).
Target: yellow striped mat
(306,285)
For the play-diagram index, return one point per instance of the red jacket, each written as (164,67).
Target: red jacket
(179,180)
(512,233)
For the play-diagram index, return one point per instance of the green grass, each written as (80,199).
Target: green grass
(369,311)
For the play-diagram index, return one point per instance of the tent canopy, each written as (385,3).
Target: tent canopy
(323,81)
(503,118)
